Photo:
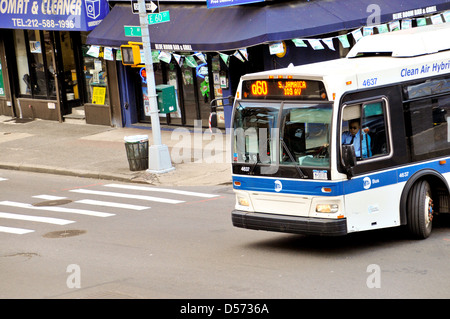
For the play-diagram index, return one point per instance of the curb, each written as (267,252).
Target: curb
(75,173)
(139,177)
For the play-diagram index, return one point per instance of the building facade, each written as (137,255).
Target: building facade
(61,60)
(45,72)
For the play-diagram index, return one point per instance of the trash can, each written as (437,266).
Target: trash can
(137,152)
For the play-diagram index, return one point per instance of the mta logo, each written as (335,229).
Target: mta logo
(278,186)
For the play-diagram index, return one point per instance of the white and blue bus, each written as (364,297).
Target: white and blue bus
(295,168)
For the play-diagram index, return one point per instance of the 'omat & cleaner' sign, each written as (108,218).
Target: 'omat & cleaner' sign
(55,15)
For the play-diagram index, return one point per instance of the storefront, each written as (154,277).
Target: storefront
(59,57)
(202,51)
(196,82)
(46,70)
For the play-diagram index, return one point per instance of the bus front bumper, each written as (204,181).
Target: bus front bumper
(289,224)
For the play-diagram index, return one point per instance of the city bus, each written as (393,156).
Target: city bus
(294,169)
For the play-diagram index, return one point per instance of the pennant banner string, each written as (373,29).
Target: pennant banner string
(315,43)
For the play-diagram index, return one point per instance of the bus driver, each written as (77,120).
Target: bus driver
(353,137)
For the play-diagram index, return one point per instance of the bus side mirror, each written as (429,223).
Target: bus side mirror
(349,158)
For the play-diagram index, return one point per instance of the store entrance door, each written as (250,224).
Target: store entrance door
(68,70)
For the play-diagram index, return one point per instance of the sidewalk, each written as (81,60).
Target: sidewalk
(96,151)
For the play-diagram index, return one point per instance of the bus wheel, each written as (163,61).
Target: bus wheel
(420,210)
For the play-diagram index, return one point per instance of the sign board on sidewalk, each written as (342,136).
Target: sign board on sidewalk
(154,18)
(150,7)
(132,31)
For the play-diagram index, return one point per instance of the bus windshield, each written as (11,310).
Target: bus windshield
(255,132)
(293,134)
(305,135)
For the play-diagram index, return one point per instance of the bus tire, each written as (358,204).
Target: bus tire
(420,210)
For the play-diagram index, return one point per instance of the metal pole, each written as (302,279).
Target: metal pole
(159,158)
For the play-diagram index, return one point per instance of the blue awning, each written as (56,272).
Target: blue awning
(197,28)
(53,15)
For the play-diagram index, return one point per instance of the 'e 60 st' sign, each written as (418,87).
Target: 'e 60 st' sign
(162,16)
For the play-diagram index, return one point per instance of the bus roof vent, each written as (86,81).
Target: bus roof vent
(404,43)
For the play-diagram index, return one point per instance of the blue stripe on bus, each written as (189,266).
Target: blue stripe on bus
(315,187)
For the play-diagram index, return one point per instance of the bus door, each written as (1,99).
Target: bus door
(370,199)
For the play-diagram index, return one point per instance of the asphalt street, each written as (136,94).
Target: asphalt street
(178,242)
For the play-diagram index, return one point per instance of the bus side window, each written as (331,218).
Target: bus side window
(427,127)
(374,124)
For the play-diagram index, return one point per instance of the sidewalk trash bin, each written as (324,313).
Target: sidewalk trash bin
(137,152)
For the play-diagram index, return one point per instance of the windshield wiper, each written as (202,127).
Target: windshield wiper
(299,170)
(258,160)
(254,165)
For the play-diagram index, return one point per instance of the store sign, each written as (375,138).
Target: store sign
(211,4)
(54,15)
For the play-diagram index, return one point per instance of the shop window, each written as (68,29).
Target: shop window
(35,64)
(95,75)
(22,63)
(220,81)
(196,92)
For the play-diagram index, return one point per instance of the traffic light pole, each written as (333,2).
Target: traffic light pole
(158,158)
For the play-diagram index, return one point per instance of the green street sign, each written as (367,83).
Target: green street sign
(132,31)
(162,16)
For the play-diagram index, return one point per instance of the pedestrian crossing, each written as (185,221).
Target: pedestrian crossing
(122,195)
(111,204)
(56,209)
(99,201)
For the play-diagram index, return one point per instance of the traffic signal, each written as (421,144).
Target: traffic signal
(131,54)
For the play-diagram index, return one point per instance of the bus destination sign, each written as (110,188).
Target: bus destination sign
(283,89)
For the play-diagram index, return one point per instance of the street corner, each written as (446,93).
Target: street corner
(186,174)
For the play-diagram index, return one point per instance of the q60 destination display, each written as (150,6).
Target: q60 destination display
(282,89)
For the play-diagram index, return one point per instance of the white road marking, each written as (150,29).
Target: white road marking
(12,230)
(111,204)
(49,197)
(161,190)
(56,209)
(122,195)
(49,220)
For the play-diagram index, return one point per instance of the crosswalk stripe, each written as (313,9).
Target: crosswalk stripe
(161,190)
(122,195)
(12,230)
(111,204)
(49,197)
(49,220)
(57,209)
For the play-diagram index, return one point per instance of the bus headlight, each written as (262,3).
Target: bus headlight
(242,201)
(327,208)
